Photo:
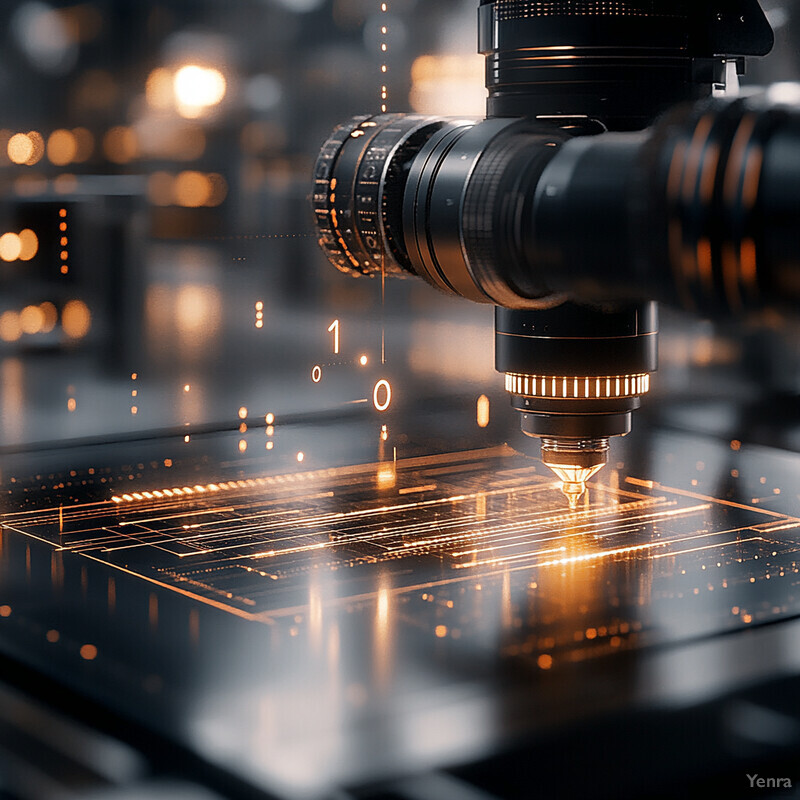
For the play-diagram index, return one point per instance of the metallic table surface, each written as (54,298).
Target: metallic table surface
(324,625)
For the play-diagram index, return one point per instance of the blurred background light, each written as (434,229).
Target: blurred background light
(197,89)
(44,36)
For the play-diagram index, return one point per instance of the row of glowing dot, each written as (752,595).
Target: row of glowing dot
(270,420)
(62,226)
(384,67)
(87,651)
(158,494)
(614,386)
(316,372)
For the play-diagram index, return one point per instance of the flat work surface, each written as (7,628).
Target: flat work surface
(272,621)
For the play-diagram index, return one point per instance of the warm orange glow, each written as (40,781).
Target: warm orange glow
(159,89)
(455,80)
(52,636)
(62,147)
(441,631)
(26,148)
(10,328)
(192,189)
(10,247)
(121,145)
(301,457)
(483,411)
(20,148)
(89,652)
(160,188)
(5,611)
(573,480)
(29,244)
(71,404)
(31,319)
(50,314)
(76,319)
(545,661)
(243,412)
(219,190)
(363,361)
(84,142)
(568,387)
(197,89)
(270,419)
(242,445)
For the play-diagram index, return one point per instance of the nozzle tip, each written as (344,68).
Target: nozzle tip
(573,492)
(574,462)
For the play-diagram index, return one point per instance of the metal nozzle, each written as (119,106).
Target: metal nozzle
(574,461)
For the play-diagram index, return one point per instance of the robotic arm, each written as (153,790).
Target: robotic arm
(606,177)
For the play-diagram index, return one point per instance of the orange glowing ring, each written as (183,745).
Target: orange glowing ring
(560,387)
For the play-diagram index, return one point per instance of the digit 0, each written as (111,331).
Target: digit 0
(382,395)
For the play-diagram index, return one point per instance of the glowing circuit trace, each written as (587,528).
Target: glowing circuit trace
(469,540)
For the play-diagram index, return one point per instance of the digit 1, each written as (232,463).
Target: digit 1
(334,329)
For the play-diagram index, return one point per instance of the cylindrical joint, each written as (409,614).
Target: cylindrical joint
(583,453)
(577,372)
(621,62)
(359,181)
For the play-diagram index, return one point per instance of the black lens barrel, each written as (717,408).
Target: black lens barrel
(622,62)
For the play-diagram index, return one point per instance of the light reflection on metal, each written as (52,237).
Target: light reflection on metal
(485,519)
(573,481)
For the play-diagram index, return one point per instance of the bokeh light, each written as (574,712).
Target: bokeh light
(76,319)
(20,148)
(10,328)
(121,145)
(198,88)
(31,319)
(62,147)
(10,247)
(192,189)
(29,244)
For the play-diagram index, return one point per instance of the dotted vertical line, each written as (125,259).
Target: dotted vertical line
(384,65)
(63,240)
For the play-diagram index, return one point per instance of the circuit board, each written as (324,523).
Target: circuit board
(637,559)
